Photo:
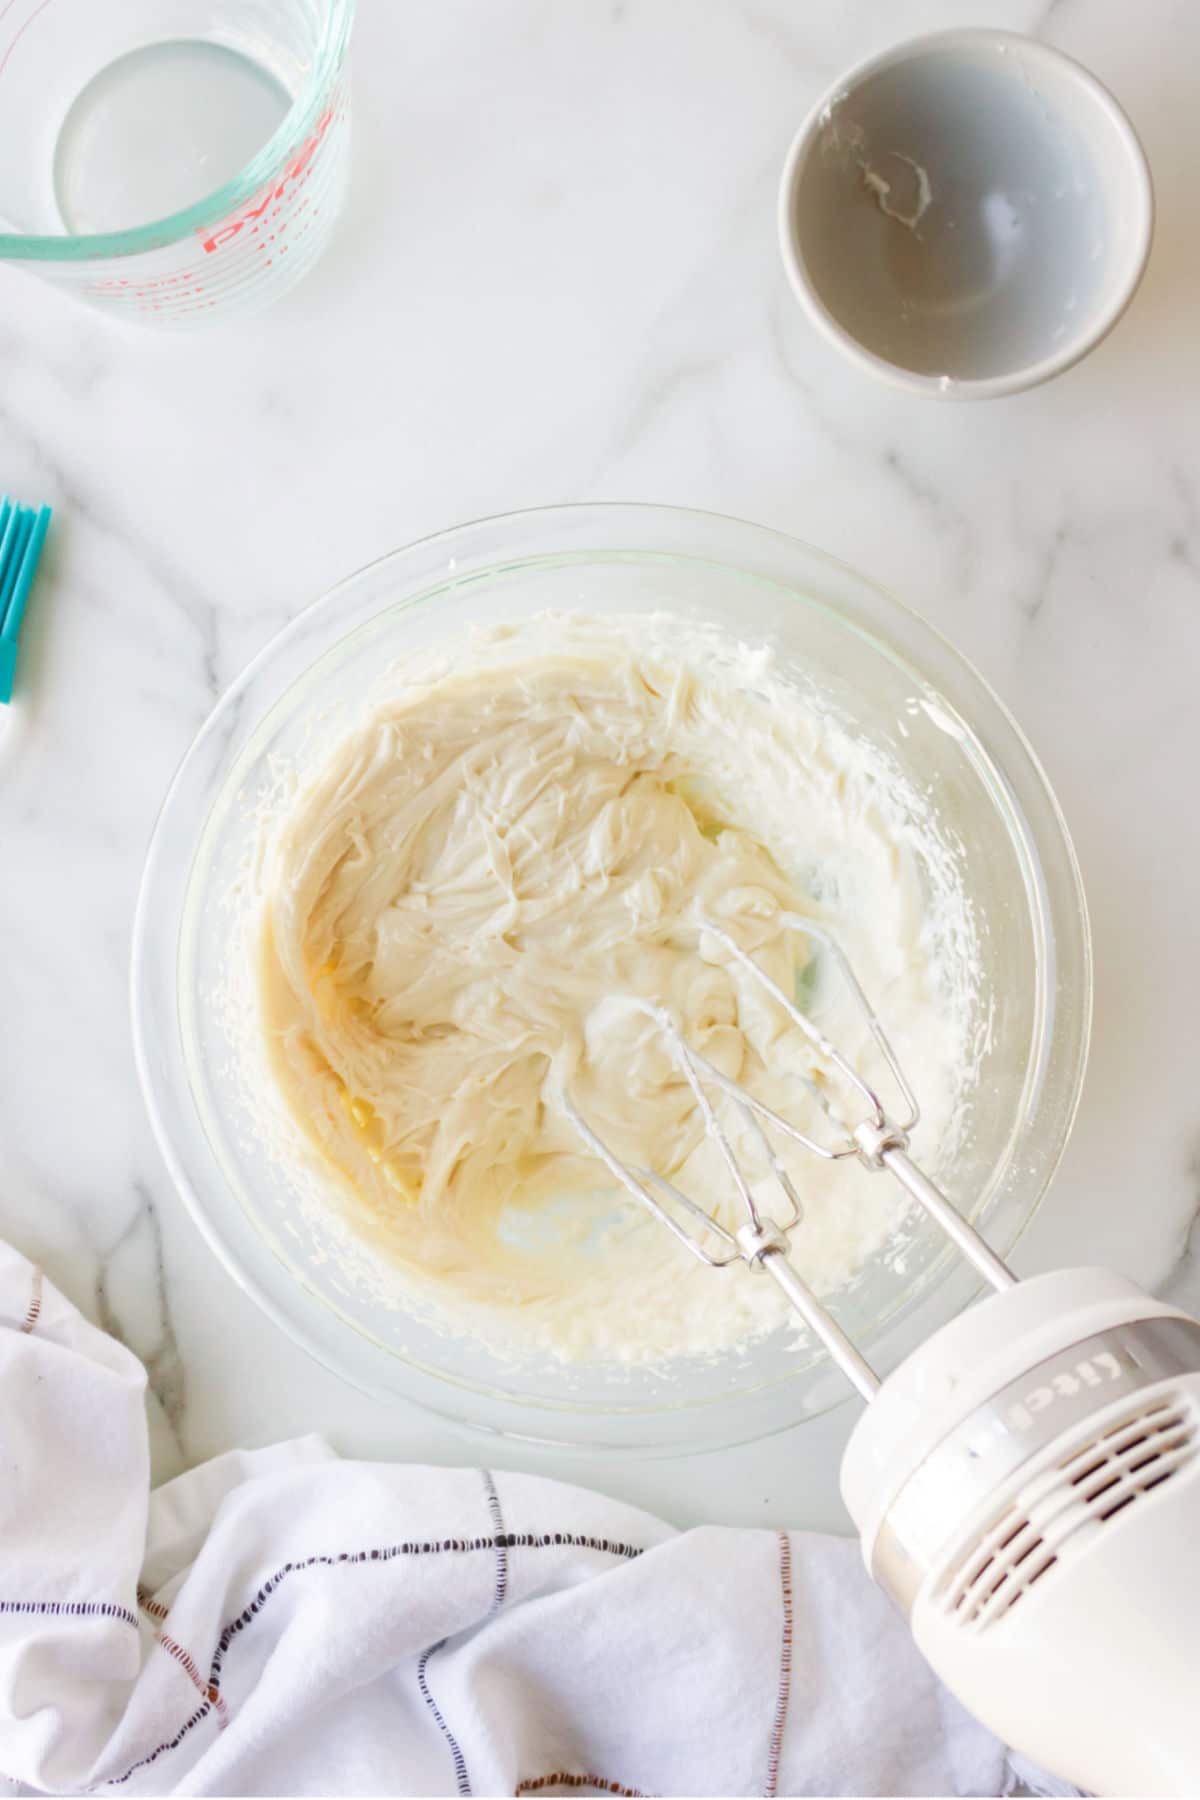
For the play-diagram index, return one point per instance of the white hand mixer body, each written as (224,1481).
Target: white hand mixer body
(1027,1488)
(1026,1484)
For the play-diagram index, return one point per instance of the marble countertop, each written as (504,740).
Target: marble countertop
(556,279)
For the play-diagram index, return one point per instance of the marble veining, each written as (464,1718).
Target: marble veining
(131,1301)
(557,279)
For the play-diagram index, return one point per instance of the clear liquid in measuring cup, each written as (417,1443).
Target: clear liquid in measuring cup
(158,129)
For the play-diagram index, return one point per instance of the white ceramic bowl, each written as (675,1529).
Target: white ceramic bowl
(845,640)
(966,214)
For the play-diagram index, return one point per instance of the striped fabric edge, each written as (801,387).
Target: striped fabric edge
(34,1310)
(494,1541)
(462,1776)
(496,1514)
(783,1692)
(71,1609)
(566,1778)
(187,1664)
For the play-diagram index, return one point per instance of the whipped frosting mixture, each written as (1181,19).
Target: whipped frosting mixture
(464,898)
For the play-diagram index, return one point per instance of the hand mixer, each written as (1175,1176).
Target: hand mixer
(1027,1483)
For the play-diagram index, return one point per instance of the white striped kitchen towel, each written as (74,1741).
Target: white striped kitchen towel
(283,1622)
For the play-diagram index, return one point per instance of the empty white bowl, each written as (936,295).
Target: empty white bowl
(966,214)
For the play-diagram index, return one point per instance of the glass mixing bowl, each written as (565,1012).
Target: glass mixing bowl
(880,667)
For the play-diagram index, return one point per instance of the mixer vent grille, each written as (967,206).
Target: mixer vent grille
(1061,1508)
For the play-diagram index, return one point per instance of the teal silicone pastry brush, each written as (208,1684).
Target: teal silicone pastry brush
(22,534)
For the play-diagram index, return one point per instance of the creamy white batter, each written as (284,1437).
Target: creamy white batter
(460,899)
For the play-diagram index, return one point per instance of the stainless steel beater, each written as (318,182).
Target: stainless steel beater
(880,1141)
(1026,1484)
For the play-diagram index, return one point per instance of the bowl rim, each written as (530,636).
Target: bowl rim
(956,1285)
(302,117)
(1030,374)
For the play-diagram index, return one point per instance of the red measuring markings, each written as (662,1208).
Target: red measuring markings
(150,284)
(296,170)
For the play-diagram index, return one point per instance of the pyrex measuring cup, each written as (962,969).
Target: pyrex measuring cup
(172,160)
